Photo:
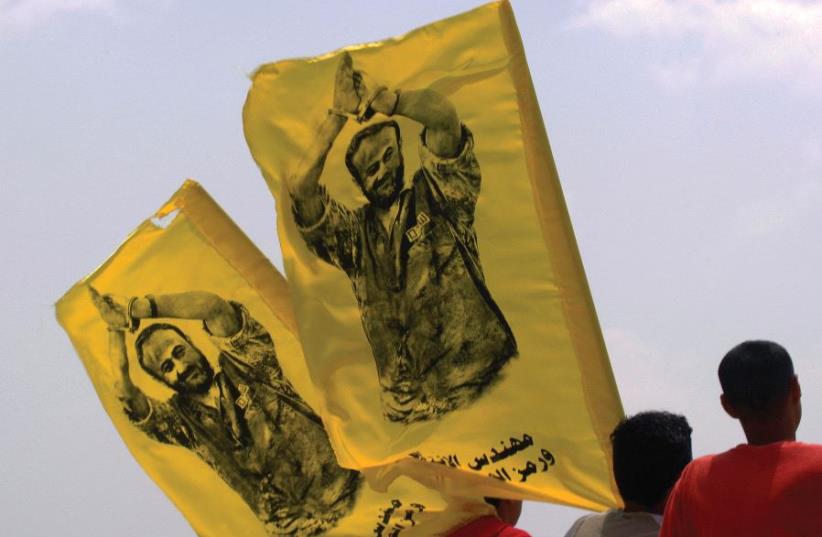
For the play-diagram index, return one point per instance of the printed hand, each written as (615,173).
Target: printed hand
(368,91)
(346,98)
(112,309)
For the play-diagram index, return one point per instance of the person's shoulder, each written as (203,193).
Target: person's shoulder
(483,526)
(511,531)
(809,454)
(489,526)
(812,449)
(593,517)
(464,155)
(700,464)
(514,532)
(588,525)
(696,472)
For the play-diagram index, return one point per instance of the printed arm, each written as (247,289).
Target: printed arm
(153,417)
(304,185)
(220,317)
(133,399)
(443,132)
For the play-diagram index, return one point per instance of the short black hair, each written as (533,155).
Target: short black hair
(146,334)
(755,375)
(495,502)
(650,451)
(361,135)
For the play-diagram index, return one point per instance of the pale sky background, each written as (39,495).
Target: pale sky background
(688,136)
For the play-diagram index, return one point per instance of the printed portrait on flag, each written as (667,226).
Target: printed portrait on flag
(437,287)
(240,416)
(411,252)
(187,333)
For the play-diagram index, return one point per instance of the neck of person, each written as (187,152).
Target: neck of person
(211,397)
(778,423)
(763,432)
(634,507)
(387,215)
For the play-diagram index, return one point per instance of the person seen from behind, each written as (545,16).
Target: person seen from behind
(770,486)
(650,449)
(501,525)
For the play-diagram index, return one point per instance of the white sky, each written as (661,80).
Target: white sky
(688,136)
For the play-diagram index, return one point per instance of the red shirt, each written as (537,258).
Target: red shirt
(488,526)
(773,490)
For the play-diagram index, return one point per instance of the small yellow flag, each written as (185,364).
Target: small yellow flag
(439,293)
(187,335)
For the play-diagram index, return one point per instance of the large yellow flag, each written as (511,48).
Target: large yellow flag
(439,293)
(187,335)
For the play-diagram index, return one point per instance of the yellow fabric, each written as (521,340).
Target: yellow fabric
(556,398)
(191,245)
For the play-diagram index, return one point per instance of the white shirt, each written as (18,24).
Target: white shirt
(616,523)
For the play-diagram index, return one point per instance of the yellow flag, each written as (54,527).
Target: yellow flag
(187,335)
(438,289)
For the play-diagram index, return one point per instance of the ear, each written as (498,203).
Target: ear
(728,407)
(796,390)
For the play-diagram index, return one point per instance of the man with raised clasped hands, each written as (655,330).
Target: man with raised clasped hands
(438,337)
(243,419)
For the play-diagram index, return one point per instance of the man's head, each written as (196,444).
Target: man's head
(374,158)
(759,384)
(650,451)
(168,355)
(507,510)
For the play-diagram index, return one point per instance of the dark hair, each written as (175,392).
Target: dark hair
(650,451)
(755,375)
(495,502)
(146,334)
(361,135)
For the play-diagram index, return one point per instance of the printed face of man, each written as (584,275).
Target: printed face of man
(180,365)
(378,161)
